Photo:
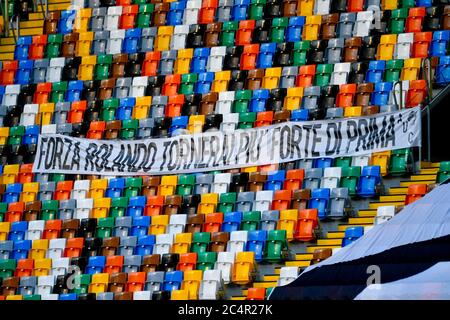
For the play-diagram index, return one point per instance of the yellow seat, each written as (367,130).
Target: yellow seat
(45,114)
(389,4)
(179,295)
(311,28)
(191,282)
(86,70)
(14,297)
(99,283)
(42,267)
(168,185)
(196,123)
(293,99)
(142,107)
(411,69)
(220,82)
(29,191)
(182,243)
(355,111)
(183,61)
(10,173)
(98,188)
(162,42)
(38,249)
(83,46)
(101,208)
(381,159)
(82,18)
(243,267)
(208,203)
(4,134)
(249,169)
(288,220)
(271,78)
(4,230)
(159,224)
(386,47)
(306,7)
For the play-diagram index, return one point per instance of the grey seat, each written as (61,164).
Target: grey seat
(334,50)
(145,128)
(65,129)
(154,281)
(5,249)
(105,296)
(158,106)
(46,190)
(311,97)
(312,178)
(345,25)
(67,208)
(40,70)
(203,183)
(167,62)
(131,263)
(333,113)
(224,10)
(127,245)
(244,201)
(304,164)
(288,77)
(148,39)
(100,41)
(27,285)
(61,112)
(388,108)
(338,202)
(97,17)
(269,219)
(122,88)
(122,227)
(94,4)
(3,113)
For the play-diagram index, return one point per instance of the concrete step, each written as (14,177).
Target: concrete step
(421,177)
(329,242)
(311,249)
(408,183)
(265,284)
(335,235)
(300,264)
(375,205)
(392,198)
(271,277)
(360,220)
(303,256)
(366,213)
(398,190)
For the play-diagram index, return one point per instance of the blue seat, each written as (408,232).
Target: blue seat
(140,226)
(204,82)
(68,296)
(439,43)
(21,249)
(12,192)
(375,71)
(319,200)
(22,46)
(259,99)
(74,89)
(368,181)
(18,230)
(66,21)
(352,234)
(31,134)
(380,94)
(275,180)
(199,60)
(145,245)
(125,109)
(95,264)
(136,206)
(323,163)
(231,221)
(6,247)
(299,115)
(115,188)
(23,74)
(172,280)
(239,11)
(256,242)
(175,14)
(266,54)
(131,41)
(180,122)
(443,71)
(424,3)
(2,92)
(294,29)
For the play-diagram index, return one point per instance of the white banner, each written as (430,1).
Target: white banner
(217,150)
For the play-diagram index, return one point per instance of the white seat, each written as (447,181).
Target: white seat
(340,73)
(335,250)
(384,213)
(224,263)
(215,60)
(361,160)
(48,129)
(163,243)
(56,248)
(83,209)
(190,15)
(60,266)
(287,275)
(221,183)
(263,200)
(50,296)
(54,71)
(112,18)
(363,23)
(396,92)
(322,7)
(45,284)
(331,177)
(210,285)
(179,37)
(229,122)
(177,222)
(142,295)
(138,86)
(237,242)
(11,93)
(28,116)
(80,189)
(35,230)
(225,101)
(115,40)
(403,46)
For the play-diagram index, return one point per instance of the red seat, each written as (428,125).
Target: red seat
(417,93)
(249,56)
(306,224)
(415,192)
(128,17)
(24,268)
(37,48)
(414,21)
(207,11)
(96,129)
(355,5)
(25,173)
(256,294)
(245,31)
(8,73)
(421,44)
(264,118)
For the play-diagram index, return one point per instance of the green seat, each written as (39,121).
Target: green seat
(278,29)
(7,268)
(393,70)
(400,161)
(118,207)
(129,129)
(300,52)
(256,11)
(57,177)
(226,202)
(250,220)
(3,209)
(200,242)
(241,100)
(397,21)
(58,91)
(103,67)
(186,184)
(406,3)
(349,178)
(32,297)
(83,281)
(144,17)
(342,162)
(323,74)
(228,33)
(104,227)
(108,112)
(9,8)
(206,260)
(139,2)
(49,209)
(133,187)
(15,135)
(444,171)
(187,84)
(246,120)
(276,246)
(54,41)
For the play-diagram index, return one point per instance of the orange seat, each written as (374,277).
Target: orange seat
(264,118)
(170,87)
(128,17)
(244,33)
(415,192)
(42,93)
(113,264)
(37,48)
(24,268)
(15,212)
(249,56)
(256,294)
(281,200)
(154,205)
(416,94)
(74,246)
(136,281)
(25,173)
(96,130)
(294,179)
(8,72)
(187,261)
(63,190)
(213,222)
(207,11)
(77,111)
(346,95)
(414,21)
(151,63)
(306,75)
(52,229)
(174,105)
(421,44)
(306,224)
